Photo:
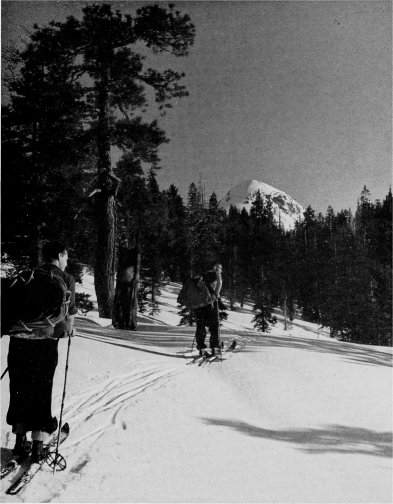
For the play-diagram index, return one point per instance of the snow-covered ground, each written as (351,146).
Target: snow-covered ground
(293,417)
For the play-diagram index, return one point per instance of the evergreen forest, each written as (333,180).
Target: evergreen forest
(78,89)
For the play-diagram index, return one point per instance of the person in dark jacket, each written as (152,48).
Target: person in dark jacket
(208,316)
(32,363)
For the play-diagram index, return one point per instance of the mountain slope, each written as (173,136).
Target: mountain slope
(286,210)
(293,417)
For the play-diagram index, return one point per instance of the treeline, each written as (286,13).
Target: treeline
(335,269)
(78,89)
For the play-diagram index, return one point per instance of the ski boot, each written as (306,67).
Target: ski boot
(22,446)
(37,452)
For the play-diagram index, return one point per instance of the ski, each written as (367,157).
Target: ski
(194,360)
(32,469)
(11,466)
(15,462)
(203,359)
(207,358)
(218,357)
(197,359)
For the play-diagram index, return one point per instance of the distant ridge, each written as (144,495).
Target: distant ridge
(286,210)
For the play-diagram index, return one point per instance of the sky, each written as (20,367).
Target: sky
(296,94)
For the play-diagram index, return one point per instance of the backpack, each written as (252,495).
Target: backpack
(194,293)
(33,302)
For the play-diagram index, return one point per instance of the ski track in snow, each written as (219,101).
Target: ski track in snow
(292,396)
(92,413)
(111,396)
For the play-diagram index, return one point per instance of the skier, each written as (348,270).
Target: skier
(32,362)
(208,316)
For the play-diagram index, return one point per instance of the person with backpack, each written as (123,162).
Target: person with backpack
(208,316)
(33,356)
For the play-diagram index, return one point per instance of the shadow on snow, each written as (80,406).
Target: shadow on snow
(171,337)
(348,351)
(333,438)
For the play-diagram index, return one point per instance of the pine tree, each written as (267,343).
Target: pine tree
(307,234)
(230,247)
(187,316)
(338,254)
(284,285)
(244,260)
(261,271)
(198,231)
(132,202)
(355,274)
(214,224)
(43,122)
(373,232)
(257,207)
(176,253)
(155,237)
(263,306)
(364,216)
(102,50)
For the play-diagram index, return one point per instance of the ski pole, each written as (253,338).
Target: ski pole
(62,402)
(5,372)
(219,329)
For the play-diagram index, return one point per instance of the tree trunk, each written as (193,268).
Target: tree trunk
(105,206)
(104,267)
(126,290)
(134,292)
(153,295)
(262,297)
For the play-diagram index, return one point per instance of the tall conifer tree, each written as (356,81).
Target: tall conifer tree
(102,49)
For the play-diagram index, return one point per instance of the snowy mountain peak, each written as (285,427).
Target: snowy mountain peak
(286,210)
